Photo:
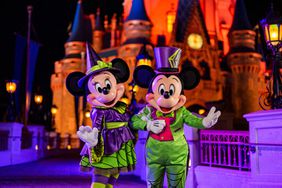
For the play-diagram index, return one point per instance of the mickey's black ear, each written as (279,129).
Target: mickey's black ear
(120,64)
(72,86)
(143,75)
(190,76)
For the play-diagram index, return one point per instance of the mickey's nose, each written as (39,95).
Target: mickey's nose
(166,95)
(105,91)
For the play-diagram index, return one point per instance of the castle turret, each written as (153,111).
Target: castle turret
(137,32)
(98,33)
(80,33)
(137,24)
(68,106)
(244,62)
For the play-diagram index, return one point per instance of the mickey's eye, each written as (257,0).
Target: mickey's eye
(108,84)
(171,89)
(161,89)
(98,87)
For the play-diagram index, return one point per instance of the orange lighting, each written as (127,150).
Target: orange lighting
(38,99)
(54,109)
(87,114)
(144,62)
(202,111)
(69,147)
(11,86)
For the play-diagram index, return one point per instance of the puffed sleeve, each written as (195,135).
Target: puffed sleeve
(97,118)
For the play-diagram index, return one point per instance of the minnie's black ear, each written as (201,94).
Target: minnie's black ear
(143,75)
(120,64)
(72,83)
(190,76)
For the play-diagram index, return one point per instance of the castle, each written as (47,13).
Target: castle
(215,37)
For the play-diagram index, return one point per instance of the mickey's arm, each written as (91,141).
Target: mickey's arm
(201,123)
(191,119)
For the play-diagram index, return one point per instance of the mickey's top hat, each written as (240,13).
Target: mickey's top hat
(95,65)
(167,59)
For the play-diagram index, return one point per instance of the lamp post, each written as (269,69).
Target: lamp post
(272,28)
(54,110)
(11,86)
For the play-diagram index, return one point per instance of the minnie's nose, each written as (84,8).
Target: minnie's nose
(105,91)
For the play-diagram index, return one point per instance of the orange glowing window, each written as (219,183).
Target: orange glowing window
(144,62)
(170,18)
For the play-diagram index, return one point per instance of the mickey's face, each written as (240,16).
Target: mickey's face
(105,91)
(166,96)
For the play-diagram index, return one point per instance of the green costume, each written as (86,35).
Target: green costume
(167,156)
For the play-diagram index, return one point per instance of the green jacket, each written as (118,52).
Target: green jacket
(182,116)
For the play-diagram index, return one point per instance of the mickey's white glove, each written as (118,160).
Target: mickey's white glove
(211,118)
(155,126)
(88,135)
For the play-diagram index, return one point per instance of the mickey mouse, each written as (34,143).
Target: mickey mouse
(109,144)
(164,116)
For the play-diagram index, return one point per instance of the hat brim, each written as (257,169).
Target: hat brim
(86,77)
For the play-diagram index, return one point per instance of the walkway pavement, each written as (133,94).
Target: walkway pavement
(62,171)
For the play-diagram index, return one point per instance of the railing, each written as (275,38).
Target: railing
(229,149)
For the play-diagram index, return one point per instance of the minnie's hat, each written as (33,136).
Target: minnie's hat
(95,65)
(167,59)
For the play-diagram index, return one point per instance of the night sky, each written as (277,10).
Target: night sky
(51,19)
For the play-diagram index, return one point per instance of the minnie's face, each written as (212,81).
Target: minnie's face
(166,96)
(105,91)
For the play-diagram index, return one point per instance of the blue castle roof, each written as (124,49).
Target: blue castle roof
(138,11)
(81,27)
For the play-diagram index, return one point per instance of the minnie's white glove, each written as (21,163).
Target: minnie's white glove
(88,135)
(155,126)
(211,118)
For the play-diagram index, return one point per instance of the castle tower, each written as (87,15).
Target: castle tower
(137,32)
(244,62)
(70,112)
(191,35)
(98,33)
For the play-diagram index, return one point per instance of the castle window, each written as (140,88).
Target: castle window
(170,18)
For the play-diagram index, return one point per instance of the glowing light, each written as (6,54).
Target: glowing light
(54,109)
(87,114)
(48,147)
(273,31)
(36,147)
(201,111)
(11,86)
(38,99)
(144,62)
(69,147)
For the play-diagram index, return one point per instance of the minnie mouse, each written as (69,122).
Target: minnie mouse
(164,116)
(109,144)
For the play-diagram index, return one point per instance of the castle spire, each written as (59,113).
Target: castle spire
(240,20)
(98,23)
(81,27)
(138,11)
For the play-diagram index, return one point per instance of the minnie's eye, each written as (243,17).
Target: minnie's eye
(108,84)
(171,89)
(98,87)
(161,89)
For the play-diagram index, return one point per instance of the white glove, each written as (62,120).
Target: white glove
(155,126)
(88,135)
(211,118)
